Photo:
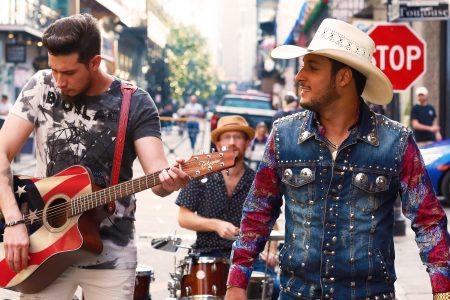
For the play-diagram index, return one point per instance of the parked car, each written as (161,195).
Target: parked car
(437,161)
(255,107)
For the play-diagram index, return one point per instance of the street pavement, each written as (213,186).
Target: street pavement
(157,217)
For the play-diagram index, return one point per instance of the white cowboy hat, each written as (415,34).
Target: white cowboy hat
(345,43)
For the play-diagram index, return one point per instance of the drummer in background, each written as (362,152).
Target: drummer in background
(212,206)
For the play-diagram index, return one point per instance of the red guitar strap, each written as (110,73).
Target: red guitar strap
(127,90)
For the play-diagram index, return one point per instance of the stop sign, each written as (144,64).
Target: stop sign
(400,53)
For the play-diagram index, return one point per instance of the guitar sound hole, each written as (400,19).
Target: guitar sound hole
(57,213)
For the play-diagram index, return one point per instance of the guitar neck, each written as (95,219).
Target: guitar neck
(110,194)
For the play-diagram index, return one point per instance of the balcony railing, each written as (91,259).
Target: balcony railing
(29,13)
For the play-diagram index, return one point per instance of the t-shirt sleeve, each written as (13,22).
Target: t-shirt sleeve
(414,113)
(189,196)
(144,116)
(27,104)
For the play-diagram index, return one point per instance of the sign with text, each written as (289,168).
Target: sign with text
(15,53)
(400,53)
(423,10)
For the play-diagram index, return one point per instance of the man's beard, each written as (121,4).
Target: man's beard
(316,104)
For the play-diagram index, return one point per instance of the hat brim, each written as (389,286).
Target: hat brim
(249,131)
(378,89)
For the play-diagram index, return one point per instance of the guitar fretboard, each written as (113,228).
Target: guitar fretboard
(110,194)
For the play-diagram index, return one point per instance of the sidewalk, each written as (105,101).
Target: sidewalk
(413,282)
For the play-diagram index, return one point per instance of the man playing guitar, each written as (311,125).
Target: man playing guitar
(74,109)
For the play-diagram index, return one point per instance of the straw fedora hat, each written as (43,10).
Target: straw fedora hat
(345,43)
(232,123)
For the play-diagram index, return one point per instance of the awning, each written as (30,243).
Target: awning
(314,15)
(21,28)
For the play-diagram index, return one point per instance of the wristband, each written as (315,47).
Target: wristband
(441,296)
(14,223)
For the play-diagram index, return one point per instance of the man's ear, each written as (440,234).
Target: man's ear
(94,64)
(344,77)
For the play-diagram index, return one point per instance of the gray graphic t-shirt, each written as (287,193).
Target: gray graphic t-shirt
(84,133)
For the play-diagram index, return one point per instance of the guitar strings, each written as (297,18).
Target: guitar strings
(63,209)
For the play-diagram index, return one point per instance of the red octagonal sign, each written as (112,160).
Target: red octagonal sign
(400,53)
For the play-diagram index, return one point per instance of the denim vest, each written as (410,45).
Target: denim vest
(339,214)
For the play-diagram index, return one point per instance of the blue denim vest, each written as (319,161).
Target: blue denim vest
(339,214)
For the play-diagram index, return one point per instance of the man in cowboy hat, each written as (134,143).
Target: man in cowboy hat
(340,168)
(212,206)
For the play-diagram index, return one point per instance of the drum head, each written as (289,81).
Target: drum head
(211,260)
(144,270)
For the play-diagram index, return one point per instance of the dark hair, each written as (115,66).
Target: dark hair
(74,34)
(360,79)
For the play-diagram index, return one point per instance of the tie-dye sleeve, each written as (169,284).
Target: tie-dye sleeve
(428,219)
(27,104)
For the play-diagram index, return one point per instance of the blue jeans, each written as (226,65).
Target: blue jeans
(193,129)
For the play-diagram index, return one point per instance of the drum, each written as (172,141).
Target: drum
(144,275)
(204,278)
(256,286)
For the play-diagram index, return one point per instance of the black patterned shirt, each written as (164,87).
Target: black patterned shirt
(84,133)
(208,198)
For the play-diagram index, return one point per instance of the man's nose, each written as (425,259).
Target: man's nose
(299,76)
(60,80)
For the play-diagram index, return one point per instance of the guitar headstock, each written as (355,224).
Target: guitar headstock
(203,164)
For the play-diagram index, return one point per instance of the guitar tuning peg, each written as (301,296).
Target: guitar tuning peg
(228,172)
(213,150)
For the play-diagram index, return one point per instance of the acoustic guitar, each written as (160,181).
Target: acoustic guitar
(63,214)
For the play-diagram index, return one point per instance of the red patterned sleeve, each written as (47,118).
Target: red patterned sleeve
(428,219)
(261,209)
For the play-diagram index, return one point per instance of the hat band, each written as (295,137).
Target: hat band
(343,42)
(233,124)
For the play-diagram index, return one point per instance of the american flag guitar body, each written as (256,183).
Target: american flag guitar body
(61,211)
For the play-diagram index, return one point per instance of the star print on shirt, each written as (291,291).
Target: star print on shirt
(20,190)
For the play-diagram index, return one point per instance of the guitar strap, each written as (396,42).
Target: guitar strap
(127,90)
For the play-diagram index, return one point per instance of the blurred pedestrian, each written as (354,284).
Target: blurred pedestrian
(193,110)
(73,109)
(424,119)
(261,135)
(5,105)
(167,113)
(340,167)
(290,106)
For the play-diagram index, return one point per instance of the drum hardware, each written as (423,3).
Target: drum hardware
(170,243)
(274,236)
(188,291)
(260,286)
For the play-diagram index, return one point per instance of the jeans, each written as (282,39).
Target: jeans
(193,129)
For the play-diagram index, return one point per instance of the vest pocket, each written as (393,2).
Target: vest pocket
(298,181)
(370,189)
